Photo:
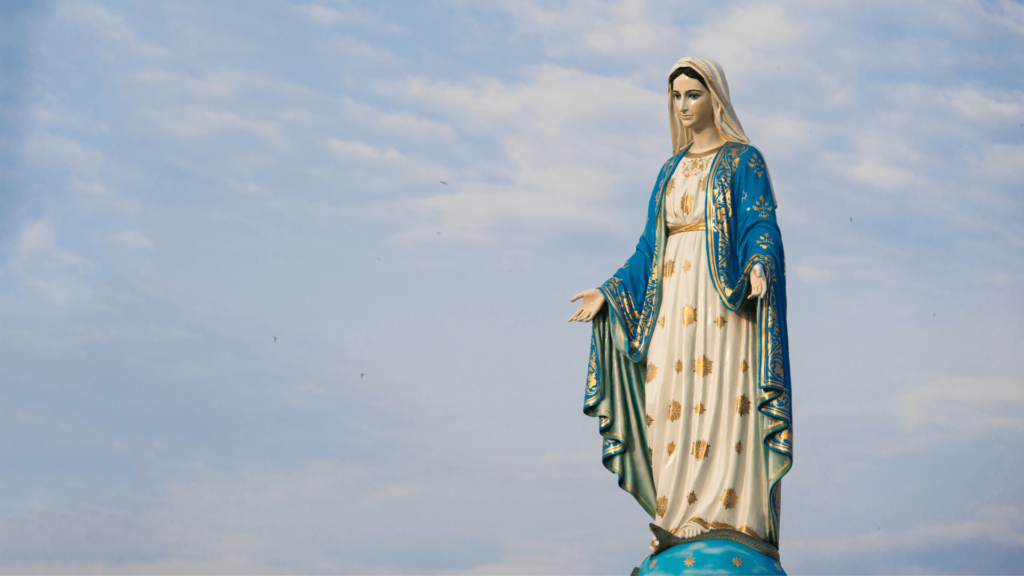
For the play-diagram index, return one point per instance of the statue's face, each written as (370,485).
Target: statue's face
(693,102)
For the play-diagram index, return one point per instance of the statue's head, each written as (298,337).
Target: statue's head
(698,93)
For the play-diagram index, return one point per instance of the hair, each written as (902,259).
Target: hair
(688,72)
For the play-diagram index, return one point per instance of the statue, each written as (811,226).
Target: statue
(689,363)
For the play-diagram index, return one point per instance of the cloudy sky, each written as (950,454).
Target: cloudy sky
(405,195)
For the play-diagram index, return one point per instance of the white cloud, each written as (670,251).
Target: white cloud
(134,239)
(408,123)
(221,84)
(358,51)
(1013,15)
(1003,160)
(45,269)
(109,26)
(882,161)
(225,565)
(548,556)
(809,273)
(1002,525)
(751,36)
(192,123)
(321,14)
(608,28)
(81,160)
(559,136)
(1005,107)
(364,151)
(963,405)
(85,167)
(52,112)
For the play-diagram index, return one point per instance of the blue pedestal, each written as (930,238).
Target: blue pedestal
(711,557)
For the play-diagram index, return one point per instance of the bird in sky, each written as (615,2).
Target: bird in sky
(443,182)
(851,219)
(275,339)
(361,375)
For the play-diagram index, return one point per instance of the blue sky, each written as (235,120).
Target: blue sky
(180,182)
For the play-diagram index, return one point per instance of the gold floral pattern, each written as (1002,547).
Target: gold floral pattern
(737,561)
(691,498)
(661,322)
(730,498)
(690,561)
(703,365)
(687,203)
(720,321)
(679,366)
(694,166)
(738,446)
(762,207)
(700,449)
(689,315)
(703,181)
(757,163)
(649,420)
(670,448)
(669,268)
(765,241)
(744,366)
(662,506)
(687,265)
(652,372)
(699,409)
(670,187)
(743,405)
(675,410)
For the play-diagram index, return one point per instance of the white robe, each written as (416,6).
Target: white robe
(704,430)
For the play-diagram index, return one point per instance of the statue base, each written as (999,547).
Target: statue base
(713,552)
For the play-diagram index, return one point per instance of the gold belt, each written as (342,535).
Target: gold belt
(692,227)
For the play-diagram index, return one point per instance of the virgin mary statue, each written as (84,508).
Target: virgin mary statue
(689,366)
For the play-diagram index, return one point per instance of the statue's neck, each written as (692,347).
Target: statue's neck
(707,138)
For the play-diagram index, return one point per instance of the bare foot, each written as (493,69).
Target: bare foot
(690,530)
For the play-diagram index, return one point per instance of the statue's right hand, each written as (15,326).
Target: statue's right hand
(593,299)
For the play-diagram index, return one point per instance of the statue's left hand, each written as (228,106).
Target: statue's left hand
(758,285)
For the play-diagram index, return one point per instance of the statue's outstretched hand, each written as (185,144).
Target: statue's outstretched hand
(593,299)
(758,285)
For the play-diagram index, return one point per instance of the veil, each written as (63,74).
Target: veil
(725,117)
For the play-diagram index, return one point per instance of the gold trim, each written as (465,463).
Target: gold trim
(704,153)
(691,227)
(784,467)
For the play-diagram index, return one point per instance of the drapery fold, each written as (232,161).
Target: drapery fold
(615,395)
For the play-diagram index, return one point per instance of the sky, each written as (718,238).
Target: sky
(284,285)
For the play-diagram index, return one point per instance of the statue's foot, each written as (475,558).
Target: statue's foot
(690,530)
